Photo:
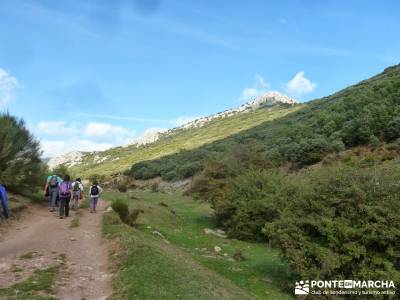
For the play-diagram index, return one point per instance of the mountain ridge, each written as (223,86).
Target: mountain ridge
(267,100)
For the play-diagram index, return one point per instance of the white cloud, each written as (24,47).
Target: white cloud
(248,93)
(8,84)
(52,148)
(259,87)
(59,137)
(57,128)
(299,85)
(114,117)
(107,131)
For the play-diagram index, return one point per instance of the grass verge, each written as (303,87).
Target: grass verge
(37,287)
(169,250)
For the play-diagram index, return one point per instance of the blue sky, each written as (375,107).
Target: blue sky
(91,74)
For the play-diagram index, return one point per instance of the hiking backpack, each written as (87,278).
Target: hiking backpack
(64,188)
(76,186)
(94,190)
(53,181)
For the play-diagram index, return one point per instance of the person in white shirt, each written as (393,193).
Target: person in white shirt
(94,194)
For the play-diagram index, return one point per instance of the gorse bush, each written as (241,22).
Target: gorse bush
(126,216)
(121,208)
(342,222)
(257,197)
(21,168)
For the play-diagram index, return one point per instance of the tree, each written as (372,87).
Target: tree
(21,167)
(60,170)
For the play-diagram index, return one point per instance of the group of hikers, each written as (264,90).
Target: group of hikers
(66,194)
(62,193)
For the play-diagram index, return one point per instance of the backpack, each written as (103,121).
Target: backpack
(53,181)
(64,188)
(76,186)
(94,190)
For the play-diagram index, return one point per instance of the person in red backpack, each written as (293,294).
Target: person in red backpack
(65,192)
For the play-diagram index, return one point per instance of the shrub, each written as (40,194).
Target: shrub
(170,176)
(257,198)
(121,208)
(342,223)
(392,130)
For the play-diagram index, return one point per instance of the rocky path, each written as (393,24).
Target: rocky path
(41,240)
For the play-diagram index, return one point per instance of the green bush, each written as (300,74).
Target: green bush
(258,197)
(342,222)
(170,176)
(121,208)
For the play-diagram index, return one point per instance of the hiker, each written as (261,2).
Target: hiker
(51,189)
(94,194)
(3,198)
(65,192)
(77,193)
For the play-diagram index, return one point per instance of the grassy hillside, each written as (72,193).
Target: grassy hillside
(320,184)
(119,159)
(365,113)
(179,262)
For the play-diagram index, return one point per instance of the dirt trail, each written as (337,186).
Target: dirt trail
(44,240)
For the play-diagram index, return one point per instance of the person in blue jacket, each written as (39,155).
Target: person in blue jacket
(3,198)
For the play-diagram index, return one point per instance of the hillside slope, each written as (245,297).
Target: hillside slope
(365,113)
(116,160)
